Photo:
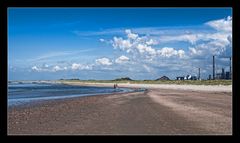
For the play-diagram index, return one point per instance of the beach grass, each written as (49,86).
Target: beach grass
(178,82)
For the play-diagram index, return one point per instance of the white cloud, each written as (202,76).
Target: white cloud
(202,43)
(193,51)
(122,59)
(223,27)
(103,61)
(131,35)
(35,68)
(76,66)
(219,36)
(215,44)
(152,42)
(101,40)
(134,43)
(169,52)
(142,48)
(122,44)
(56,68)
(222,24)
(192,38)
(181,53)
(44,68)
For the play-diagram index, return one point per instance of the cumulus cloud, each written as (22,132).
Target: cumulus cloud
(103,61)
(122,44)
(213,47)
(159,50)
(143,48)
(222,24)
(56,68)
(217,43)
(205,43)
(131,35)
(35,68)
(122,59)
(76,66)
(181,53)
(152,42)
(143,45)
(169,52)
(41,68)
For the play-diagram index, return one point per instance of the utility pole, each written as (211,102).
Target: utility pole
(230,71)
(213,68)
(198,73)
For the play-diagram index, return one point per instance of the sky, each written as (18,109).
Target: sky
(109,43)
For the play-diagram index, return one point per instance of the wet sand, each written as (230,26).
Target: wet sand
(153,112)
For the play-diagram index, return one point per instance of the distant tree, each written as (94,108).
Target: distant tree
(123,78)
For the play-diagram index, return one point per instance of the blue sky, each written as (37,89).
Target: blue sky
(107,43)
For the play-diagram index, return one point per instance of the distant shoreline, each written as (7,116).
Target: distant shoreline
(177,82)
(78,92)
(162,85)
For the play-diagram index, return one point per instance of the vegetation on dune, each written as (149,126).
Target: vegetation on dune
(179,82)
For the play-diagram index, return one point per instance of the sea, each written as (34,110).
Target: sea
(20,93)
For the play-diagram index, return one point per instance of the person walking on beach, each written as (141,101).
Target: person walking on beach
(115,86)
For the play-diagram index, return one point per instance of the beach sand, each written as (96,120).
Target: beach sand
(172,110)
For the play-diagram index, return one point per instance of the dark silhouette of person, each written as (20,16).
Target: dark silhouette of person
(115,86)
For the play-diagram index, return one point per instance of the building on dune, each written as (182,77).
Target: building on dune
(163,78)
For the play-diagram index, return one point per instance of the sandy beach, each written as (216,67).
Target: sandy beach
(161,110)
(218,88)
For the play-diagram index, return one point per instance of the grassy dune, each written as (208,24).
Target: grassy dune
(180,82)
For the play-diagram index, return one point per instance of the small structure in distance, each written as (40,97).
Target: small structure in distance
(163,78)
(188,77)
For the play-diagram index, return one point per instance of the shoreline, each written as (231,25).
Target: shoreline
(38,100)
(135,87)
(39,103)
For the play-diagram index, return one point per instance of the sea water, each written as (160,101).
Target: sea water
(22,93)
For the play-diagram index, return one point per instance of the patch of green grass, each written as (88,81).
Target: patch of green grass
(179,82)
